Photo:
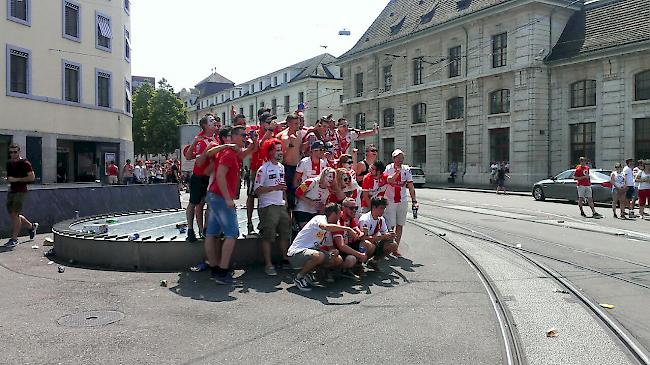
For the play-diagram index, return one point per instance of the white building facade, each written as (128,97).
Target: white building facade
(477,81)
(67,99)
(315,83)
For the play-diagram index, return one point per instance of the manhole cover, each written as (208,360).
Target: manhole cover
(90,319)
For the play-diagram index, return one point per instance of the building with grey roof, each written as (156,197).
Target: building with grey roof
(315,83)
(533,83)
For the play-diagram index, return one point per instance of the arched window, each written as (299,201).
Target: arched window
(642,86)
(583,93)
(455,108)
(389,117)
(419,113)
(500,101)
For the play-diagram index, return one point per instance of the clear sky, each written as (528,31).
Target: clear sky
(184,40)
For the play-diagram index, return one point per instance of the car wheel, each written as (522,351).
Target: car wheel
(538,193)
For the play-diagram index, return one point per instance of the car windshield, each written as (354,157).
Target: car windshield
(417,171)
(565,175)
(604,174)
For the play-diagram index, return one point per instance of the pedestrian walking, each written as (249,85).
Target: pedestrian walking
(127,172)
(628,172)
(19,173)
(643,178)
(618,189)
(501,176)
(583,182)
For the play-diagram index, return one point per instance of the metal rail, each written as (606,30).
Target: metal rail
(512,347)
(629,342)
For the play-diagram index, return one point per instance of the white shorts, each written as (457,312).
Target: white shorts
(112,179)
(584,191)
(395,214)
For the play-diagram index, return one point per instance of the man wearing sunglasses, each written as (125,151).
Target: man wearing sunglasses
(19,173)
(350,249)
(362,168)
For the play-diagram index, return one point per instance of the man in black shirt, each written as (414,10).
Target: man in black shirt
(19,173)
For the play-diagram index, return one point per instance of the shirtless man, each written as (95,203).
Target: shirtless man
(292,143)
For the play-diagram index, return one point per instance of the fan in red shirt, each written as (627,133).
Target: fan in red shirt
(349,249)
(583,182)
(261,133)
(373,185)
(200,179)
(223,189)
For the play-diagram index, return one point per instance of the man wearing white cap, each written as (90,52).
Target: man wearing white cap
(399,179)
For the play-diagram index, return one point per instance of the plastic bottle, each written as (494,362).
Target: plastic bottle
(415,212)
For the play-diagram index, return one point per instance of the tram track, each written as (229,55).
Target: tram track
(617,330)
(463,230)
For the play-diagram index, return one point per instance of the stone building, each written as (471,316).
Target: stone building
(67,99)
(531,83)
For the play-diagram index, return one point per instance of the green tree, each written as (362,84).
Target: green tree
(167,113)
(157,113)
(141,113)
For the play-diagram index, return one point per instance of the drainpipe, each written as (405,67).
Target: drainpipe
(466,103)
(548,102)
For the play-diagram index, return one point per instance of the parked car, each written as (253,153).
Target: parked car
(418,177)
(563,186)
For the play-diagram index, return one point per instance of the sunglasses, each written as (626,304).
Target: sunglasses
(353,207)
(346,179)
(373,150)
(14,151)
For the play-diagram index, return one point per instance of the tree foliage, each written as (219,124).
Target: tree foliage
(157,113)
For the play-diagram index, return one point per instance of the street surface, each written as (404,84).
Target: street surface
(429,307)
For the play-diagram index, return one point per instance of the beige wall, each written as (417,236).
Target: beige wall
(44,39)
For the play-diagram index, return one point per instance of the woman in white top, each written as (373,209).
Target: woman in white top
(643,178)
(617,178)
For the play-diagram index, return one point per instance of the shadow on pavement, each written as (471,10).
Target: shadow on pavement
(198,286)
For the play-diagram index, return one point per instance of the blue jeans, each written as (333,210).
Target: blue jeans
(221,218)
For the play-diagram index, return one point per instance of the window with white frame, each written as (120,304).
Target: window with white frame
(18,11)
(71,20)
(127,6)
(127,45)
(285,78)
(71,82)
(500,101)
(19,67)
(301,97)
(275,81)
(274,106)
(103,89)
(419,113)
(287,103)
(104,32)
(127,96)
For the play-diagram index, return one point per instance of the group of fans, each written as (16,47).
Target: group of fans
(315,200)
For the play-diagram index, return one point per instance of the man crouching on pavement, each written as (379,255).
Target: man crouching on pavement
(373,224)
(353,251)
(308,250)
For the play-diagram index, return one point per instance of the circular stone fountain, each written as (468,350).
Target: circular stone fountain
(152,240)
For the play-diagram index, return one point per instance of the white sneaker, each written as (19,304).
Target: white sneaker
(11,243)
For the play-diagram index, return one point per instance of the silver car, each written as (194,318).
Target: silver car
(563,186)
(419,179)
